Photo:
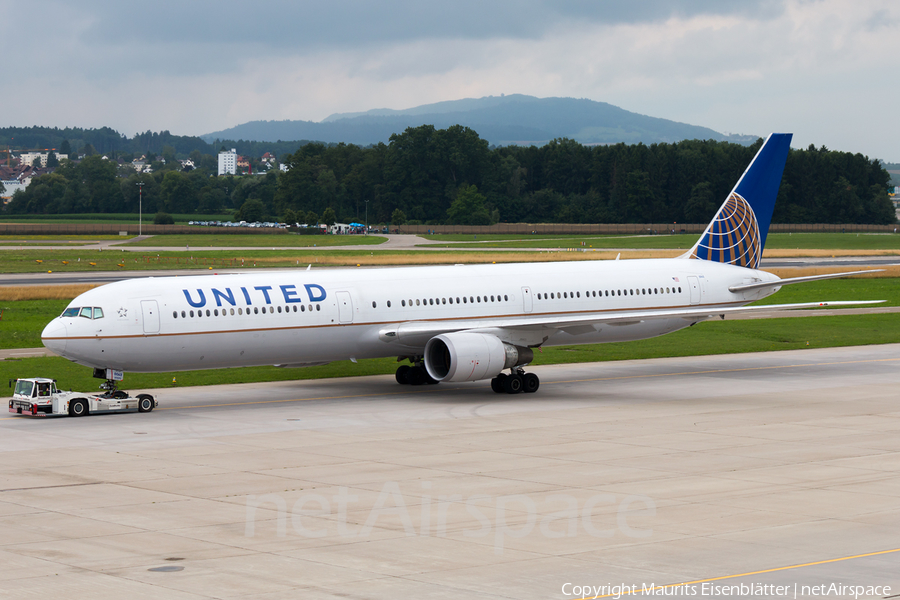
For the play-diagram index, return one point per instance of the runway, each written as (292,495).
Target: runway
(780,466)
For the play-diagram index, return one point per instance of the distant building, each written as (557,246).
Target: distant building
(228,162)
(28,158)
(140,165)
(16,178)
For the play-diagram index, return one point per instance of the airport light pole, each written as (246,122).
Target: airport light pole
(140,208)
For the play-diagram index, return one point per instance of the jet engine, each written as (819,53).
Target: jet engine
(466,356)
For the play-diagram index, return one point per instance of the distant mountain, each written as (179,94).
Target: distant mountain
(502,120)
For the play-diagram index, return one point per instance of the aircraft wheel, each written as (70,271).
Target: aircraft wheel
(416,376)
(512,384)
(530,383)
(78,408)
(403,374)
(497,385)
(145,403)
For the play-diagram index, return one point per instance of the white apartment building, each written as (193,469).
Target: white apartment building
(228,162)
(28,158)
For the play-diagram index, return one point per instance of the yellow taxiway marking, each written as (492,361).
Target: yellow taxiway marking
(773,570)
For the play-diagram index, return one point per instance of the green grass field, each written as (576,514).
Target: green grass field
(26,260)
(260,240)
(775,241)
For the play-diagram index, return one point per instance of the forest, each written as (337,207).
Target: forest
(436,176)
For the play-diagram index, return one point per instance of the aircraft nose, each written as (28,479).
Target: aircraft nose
(54,336)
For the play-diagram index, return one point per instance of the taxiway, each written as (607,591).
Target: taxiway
(639,472)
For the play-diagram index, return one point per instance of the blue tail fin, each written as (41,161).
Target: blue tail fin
(737,234)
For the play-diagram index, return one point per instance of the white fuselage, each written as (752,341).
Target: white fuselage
(297,317)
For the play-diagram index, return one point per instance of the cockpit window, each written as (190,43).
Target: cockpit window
(87,312)
(98,312)
(71,312)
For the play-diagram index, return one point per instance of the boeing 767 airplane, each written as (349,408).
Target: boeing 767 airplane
(453,323)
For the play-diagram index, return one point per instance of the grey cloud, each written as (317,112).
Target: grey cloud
(288,26)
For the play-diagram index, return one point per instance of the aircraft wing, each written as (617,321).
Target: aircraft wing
(516,329)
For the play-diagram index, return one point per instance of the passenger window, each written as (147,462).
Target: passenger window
(216,312)
(388,303)
(182,314)
(373,304)
(318,307)
(174,314)
(192,313)
(207,312)
(87,312)
(302,308)
(98,312)
(505,298)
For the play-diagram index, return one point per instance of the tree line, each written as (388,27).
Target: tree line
(435,176)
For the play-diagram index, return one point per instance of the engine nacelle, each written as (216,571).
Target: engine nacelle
(466,356)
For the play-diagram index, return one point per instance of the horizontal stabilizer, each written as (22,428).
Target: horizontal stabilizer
(790,280)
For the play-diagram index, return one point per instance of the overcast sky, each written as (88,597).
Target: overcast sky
(826,70)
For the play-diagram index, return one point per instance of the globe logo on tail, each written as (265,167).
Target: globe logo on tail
(733,236)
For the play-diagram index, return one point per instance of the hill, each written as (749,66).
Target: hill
(502,120)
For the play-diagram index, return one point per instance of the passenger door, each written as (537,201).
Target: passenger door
(150,310)
(345,307)
(694,287)
(526,299)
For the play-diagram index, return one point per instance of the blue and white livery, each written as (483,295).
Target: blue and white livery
(453,323)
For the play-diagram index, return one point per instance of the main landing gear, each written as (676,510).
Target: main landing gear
(517,381)
(414,375)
